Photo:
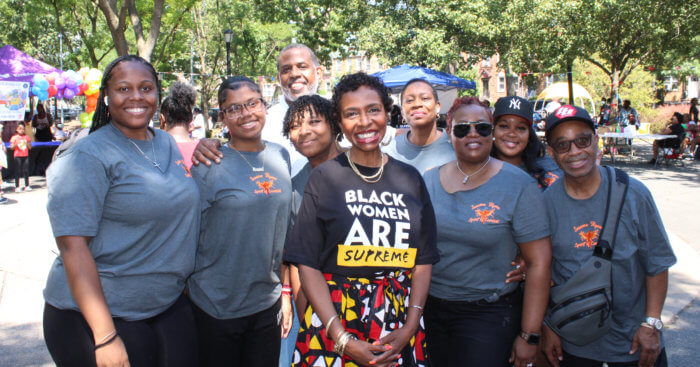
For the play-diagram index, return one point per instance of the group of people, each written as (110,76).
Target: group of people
(435,247)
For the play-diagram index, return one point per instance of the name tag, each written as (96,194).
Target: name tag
(389,257)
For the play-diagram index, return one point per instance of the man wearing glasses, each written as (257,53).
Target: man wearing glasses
(641,256)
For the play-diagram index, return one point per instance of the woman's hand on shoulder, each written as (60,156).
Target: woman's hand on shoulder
(207,150)
(112,355)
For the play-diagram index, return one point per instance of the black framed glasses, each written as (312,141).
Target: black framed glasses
(462,129)
(236,110)
(563,146)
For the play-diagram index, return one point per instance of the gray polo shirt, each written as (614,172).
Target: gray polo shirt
(143,223)
(641,249)
(423,157)
(479,231)
(245,219)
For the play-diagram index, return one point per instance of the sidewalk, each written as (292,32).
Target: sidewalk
(27,250)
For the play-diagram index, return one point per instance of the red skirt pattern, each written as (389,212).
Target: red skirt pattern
(370,309)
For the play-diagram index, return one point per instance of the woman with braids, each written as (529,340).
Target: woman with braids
(240,306)
(515,141)
(425,145)
(486,211)
(364,243)
(310,126)
(114,296)
(176,115)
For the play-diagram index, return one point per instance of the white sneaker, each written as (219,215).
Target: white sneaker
(27,188)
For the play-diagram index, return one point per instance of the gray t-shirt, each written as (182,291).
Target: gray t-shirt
(245,217)
(298,184)
(143,223)
(479,231)
(424,157)
(552,172)
(641,249)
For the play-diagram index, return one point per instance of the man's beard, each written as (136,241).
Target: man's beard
(311,90)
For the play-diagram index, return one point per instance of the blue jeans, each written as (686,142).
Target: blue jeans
(479,333)
(288,344)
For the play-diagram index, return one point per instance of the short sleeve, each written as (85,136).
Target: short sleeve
(202,176)
(77,186)
(655,249)
(427,239)
(530,219)
(305,242)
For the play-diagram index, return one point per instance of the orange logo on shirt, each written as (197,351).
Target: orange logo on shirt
(588,233)
(485,215)
(550,178)
(266,184)
(182,164)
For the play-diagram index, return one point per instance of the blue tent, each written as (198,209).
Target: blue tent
(396,77)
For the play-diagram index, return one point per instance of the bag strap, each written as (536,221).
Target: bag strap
(617,192)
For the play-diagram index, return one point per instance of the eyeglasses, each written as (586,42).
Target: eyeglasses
(581,142)
(236,110)
(462,129)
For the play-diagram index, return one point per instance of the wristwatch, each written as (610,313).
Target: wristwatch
(655,323)
(530,338)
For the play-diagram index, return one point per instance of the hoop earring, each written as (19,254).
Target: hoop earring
(387,142)
(106,100)
(336,141)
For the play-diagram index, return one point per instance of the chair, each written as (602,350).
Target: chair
(669,155)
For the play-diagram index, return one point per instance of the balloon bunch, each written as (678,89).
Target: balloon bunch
(41,87)
(91,89)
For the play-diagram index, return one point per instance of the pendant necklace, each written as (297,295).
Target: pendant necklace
(371,178)
(466,176)
(152,161)
(255,169)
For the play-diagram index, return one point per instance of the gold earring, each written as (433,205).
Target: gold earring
(336,141)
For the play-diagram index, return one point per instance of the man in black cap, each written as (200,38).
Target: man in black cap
(641,255)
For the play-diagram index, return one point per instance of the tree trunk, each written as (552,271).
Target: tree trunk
(116,22)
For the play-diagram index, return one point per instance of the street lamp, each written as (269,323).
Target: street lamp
(228,37)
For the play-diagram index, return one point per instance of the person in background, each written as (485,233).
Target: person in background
(42,122)
(58,133)
(28,129)
(486,212)
(628,116)
(359,311)
(604,115)
(425,145)
(20,145)
(197,125)
(516,142)
(240,288)
(126,219)
(175,116)
(309,124)
(641,255)
(693,111)
(673,127)
(3,164)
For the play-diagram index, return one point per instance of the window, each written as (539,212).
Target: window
(549,80)
(671,84)
(348,66)
(268,89)
(368,64)
(486,62)
(501,82)
(485,88)
(338,65)
(359,63)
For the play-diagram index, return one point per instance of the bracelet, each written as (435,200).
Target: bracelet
(113,338)
(328,324)
(106,337)
(339,347)
(648,325)
(286,287)
(416,306)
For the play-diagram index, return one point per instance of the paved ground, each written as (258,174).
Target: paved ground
(27,250)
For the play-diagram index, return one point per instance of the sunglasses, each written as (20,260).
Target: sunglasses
(581,142)
(462,129)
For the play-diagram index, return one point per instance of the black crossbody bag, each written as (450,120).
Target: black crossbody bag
(579,310)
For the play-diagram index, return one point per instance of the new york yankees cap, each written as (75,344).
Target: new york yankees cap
(513,105)
(567,113)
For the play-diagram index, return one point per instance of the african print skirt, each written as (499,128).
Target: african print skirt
(370,309)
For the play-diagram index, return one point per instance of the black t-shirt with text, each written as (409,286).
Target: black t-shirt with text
(349,227)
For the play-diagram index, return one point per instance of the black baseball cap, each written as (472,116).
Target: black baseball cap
(567,113)
(513,105)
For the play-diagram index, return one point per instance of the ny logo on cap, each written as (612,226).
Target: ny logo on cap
(565,111)
(514,104)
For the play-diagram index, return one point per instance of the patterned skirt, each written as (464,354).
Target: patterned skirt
(370,309)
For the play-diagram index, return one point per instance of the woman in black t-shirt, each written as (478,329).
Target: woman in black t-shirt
(674,127)
(364,241)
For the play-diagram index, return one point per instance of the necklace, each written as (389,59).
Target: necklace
(369,179)
(255,169)
(466,176)
(153,161)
